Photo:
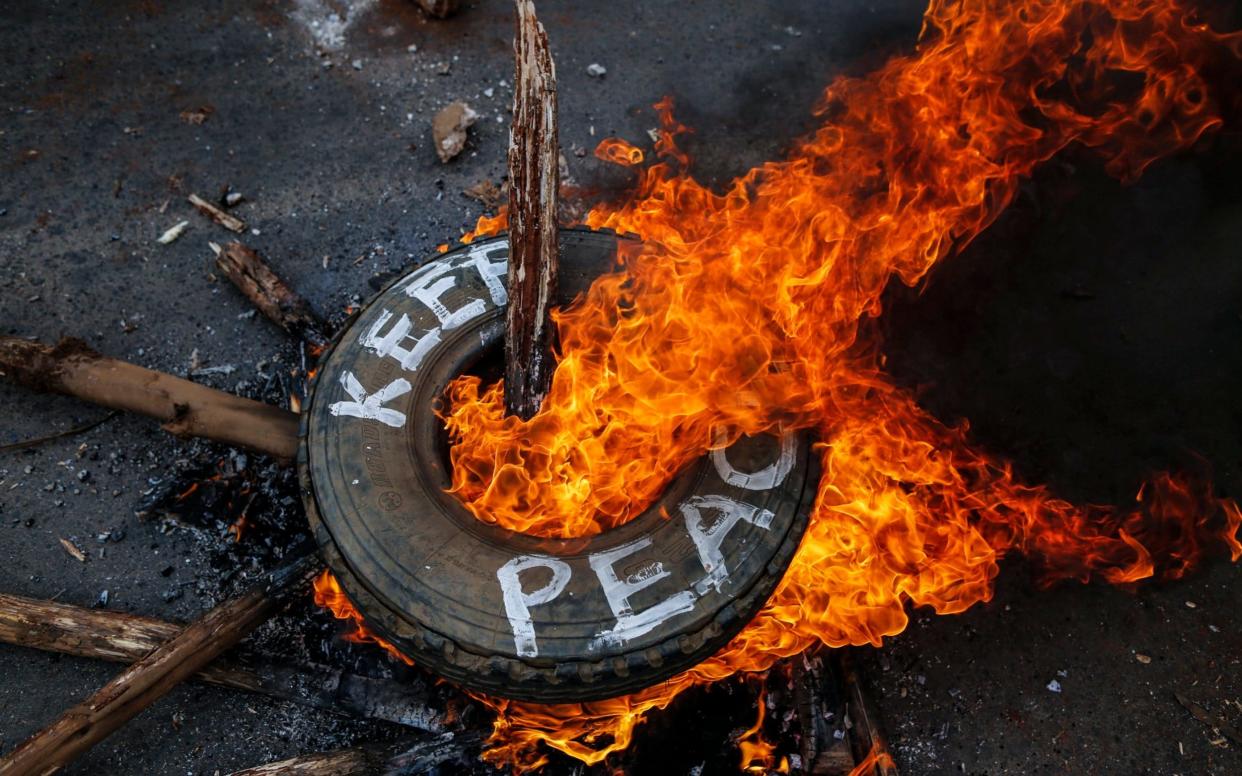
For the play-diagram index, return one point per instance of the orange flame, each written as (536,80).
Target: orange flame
(330,596)
(741,312)
(874,760)
(618,151)
(758,754)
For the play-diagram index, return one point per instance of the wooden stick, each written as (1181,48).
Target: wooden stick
(402,759)
(230,222)
(269,293)
(867,739)
(185,408)
(146,681)
(533,182)
(125,638)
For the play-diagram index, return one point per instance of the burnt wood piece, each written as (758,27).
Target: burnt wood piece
(266,291)
(438,8)
(867,739)
(230,222)
(534,177)
(186,409)
(125,638)
(402,759)
(146,681)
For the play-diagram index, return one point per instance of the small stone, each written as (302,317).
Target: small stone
(448,129)
(1054,686)
(1144,659)
(83,475)
(596,70)
(356,64)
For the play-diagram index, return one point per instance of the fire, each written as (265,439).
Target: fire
(330,596)
(758,754)
(618,151)
(743,312)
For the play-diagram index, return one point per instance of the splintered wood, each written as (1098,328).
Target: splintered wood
(246,269)
(533,181)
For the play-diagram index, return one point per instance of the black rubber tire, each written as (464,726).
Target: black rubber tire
(427,575)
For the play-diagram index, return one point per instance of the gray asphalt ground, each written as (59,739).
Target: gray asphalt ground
(1092,335)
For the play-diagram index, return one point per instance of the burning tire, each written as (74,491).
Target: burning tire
(506,613)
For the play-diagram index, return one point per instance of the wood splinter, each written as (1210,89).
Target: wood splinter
(185,408)
(271,295)
(534,178)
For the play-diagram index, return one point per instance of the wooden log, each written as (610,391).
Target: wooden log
(402,759)
(271,295)
(125,638)
(185,408)
(146,681)
(534,178)
(867,739)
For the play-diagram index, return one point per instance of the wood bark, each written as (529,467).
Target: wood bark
(146,681)
(403,759)
(271,295)
(534,178)
(185,408)
(125,638)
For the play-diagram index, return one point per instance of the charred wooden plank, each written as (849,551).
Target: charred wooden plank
(534,178)
(146,681)
(403,759)
(271,295)
(125,638)
(185,408)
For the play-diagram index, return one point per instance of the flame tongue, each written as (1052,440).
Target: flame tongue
(741,311)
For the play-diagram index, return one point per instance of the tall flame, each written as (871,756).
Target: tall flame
(740,313)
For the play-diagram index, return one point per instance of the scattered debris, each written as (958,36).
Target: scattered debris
(1054,686)
(1208,718)
(596,70)
(173,232)
(486,192)
(230,222)
(1144,659)
(196,116)
(73,550)
(448,129)
(233,199)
